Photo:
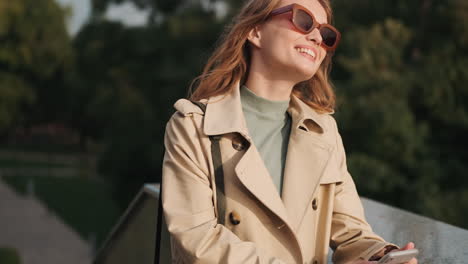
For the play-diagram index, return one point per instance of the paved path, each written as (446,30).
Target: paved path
(38,235)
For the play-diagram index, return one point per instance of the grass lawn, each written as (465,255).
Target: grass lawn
(14,163)
(47,147)
(84,204)
(9,256)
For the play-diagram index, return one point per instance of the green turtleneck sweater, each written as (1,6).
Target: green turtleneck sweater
(269,125)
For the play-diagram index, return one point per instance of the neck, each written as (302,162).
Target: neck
(268,82)
(271,89)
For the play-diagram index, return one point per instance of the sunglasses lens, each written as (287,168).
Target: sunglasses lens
(328,36)
(303,20)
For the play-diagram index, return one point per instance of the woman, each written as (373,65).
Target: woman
(285,193)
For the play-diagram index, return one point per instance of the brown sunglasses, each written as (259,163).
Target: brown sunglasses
(305,22)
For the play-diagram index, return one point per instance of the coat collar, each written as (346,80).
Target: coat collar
(308,154)
(224,115)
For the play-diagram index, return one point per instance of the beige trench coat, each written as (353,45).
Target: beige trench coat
(319,206)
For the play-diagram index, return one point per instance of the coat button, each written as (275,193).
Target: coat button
(237,144)
(234,217)
(314,204)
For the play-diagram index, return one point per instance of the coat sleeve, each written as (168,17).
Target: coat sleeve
(188,202)
(352,237)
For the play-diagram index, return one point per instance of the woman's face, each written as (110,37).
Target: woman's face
(285,50)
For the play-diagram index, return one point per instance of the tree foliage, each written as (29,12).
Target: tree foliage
(402,87)
(128,79)
(34,48)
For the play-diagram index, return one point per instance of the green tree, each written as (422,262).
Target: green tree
(9,256)
(34,50)
(401,75)
(128,79)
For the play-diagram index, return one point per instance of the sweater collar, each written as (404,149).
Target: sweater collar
(273,110)
(224,114)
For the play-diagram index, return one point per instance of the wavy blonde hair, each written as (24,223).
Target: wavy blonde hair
(230,61)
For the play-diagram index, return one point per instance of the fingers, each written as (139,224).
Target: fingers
(410,245)
(367,262)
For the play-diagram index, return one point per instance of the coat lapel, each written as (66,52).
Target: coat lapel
(307,157)
(252,172)
(224,115)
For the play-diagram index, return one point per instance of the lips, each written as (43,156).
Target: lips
(308,52)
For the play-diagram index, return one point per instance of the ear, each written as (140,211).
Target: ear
(254,36)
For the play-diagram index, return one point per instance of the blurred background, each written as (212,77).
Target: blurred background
(87,86)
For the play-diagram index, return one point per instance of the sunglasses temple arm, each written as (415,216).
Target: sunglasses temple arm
(281,10)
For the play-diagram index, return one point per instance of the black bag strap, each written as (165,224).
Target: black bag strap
(219,173)
(219,178)
(157,252)
(219,182)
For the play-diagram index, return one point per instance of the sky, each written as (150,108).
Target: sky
(127,13)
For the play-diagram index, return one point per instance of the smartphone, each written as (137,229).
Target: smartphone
(398,257)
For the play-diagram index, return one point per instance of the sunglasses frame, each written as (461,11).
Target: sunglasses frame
(294,8)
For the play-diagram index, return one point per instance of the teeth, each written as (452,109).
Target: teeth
(307,51)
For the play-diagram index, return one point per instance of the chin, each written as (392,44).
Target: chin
(307,74)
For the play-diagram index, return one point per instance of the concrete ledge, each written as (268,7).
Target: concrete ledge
(438,242)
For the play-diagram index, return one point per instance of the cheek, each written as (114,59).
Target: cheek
(323,54)
(281,33)
(277,44)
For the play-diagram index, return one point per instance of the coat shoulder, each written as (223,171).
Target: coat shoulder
(187,108)
(188,118)
(328,122)
(332,133)
(331,122)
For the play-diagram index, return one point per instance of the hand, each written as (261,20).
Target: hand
(410,245)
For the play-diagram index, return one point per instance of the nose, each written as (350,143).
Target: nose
(315,36)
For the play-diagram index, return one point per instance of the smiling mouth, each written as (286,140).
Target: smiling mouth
(307,52)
